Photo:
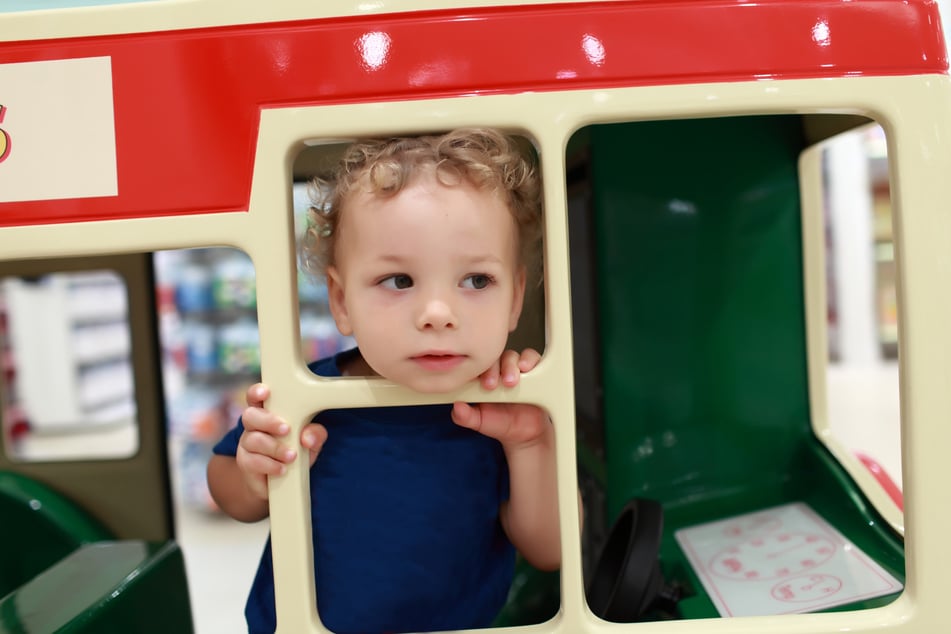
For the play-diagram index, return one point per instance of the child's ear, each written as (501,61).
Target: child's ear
(338,305)
(518,298)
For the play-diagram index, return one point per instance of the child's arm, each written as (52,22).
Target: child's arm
(530,517)
(239,484)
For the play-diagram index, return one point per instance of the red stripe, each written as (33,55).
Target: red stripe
(187,102)
(885,480)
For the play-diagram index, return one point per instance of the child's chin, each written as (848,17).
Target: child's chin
(431,387)
(437,384)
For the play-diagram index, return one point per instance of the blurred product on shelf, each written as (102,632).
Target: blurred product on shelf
(232,283)
(239,347)
(203,416)
(200,346)
(319,336)
(193,288)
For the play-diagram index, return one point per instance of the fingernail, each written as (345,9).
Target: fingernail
(283,428)
(290,454)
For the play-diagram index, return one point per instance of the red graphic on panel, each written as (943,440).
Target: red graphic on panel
(807,588)
(773,556)
(753,525)
(5,142)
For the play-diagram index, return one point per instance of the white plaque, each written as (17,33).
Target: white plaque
(780,560)
(57,130)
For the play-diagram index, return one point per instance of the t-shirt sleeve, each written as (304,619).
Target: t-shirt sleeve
(228,446)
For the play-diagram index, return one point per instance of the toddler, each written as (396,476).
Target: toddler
(417,512)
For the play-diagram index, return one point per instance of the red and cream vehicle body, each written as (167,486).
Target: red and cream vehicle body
(131,128)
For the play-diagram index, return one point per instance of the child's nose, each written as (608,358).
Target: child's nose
(436,314)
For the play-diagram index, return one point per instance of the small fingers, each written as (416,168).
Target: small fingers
(257,394)
(258,457)
(461,412)
(490,378)
(528,359)
(510,370)
(262,420)
(262,444)
(259,464)
(312,438)
(466,415)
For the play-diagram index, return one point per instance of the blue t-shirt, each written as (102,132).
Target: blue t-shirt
(404,507)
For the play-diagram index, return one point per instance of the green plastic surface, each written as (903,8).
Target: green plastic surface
(38,528)
(126,586)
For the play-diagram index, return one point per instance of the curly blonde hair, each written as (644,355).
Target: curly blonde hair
(486,158)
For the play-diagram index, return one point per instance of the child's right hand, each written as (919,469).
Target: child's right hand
(261,452)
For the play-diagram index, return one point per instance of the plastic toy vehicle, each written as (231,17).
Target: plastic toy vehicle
(683,315)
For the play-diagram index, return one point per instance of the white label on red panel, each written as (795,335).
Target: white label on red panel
(780,560)
(57,130)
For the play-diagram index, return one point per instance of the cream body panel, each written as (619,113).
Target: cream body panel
(167,15)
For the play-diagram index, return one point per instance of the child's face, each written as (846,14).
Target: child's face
(428,282)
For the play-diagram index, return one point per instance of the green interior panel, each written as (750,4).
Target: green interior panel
(701,308)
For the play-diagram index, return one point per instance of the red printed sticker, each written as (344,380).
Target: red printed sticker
(780,560)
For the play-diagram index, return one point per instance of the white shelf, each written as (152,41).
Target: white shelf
(96,302)
(101,342)
(71,346)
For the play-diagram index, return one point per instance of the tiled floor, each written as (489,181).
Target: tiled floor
(221,554)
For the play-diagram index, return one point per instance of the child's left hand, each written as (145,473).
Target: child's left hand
(512,424)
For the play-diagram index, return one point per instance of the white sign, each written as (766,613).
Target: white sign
(57,130)
(781,560)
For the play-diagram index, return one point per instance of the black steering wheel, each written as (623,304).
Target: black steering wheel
(627,578)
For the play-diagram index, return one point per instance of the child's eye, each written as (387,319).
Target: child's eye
(397,282)
(477,281)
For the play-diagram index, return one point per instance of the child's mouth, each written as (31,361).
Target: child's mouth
(438,362)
